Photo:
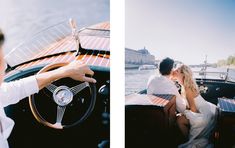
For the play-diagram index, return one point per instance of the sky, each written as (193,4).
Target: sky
(185,30)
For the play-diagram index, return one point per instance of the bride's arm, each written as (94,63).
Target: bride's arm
(190,98)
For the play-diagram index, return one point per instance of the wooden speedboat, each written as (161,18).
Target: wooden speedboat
(85,121)
(151,121)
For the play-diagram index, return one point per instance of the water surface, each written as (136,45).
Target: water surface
(136,80)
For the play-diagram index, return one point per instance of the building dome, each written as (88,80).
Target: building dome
(143,51)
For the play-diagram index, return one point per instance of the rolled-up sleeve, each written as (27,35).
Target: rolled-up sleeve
(13,92)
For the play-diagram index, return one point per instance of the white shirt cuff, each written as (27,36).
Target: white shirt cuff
(31,85)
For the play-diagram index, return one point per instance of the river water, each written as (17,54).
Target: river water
(21,19)
(136,80)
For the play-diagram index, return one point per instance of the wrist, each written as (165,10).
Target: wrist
(63,72)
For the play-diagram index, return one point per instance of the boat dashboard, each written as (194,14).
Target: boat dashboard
(42,120)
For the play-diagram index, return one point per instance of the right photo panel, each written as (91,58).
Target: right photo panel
(179,74)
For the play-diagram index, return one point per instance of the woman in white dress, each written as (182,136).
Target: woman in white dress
(200,114)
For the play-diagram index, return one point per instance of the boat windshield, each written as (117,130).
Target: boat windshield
(58,39)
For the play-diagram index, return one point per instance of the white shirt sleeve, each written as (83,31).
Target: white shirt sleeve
(150,87)
(3,142)
(13,92)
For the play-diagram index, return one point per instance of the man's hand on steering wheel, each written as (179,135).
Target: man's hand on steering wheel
(75,70)
(78,71)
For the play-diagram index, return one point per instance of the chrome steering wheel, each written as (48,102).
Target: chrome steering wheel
(62,97)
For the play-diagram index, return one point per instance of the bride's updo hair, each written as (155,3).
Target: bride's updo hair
(188,80)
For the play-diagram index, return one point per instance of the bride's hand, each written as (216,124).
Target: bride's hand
(187,107)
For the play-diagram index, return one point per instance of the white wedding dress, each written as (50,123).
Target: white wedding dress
(201,124)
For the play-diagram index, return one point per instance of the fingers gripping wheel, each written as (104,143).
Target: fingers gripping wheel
(58,97)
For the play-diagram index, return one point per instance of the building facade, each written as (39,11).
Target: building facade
(135,58)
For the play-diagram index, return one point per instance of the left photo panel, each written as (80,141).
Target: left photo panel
(55,73)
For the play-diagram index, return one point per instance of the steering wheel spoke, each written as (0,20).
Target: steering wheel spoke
(51,87)
(59,116)
(76,89)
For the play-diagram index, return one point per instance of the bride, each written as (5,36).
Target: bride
(200,114)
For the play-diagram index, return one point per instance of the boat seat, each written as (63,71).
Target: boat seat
(149,125)
(226,122)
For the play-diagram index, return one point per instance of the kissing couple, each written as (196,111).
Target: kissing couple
(196,117)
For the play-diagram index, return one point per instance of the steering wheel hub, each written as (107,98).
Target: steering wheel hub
(62,96)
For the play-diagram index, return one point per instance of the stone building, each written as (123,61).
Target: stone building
(135,58)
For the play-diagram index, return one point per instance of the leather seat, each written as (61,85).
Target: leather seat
(145,126)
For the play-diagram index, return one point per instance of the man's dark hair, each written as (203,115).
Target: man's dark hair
(166,66)
(2,38)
